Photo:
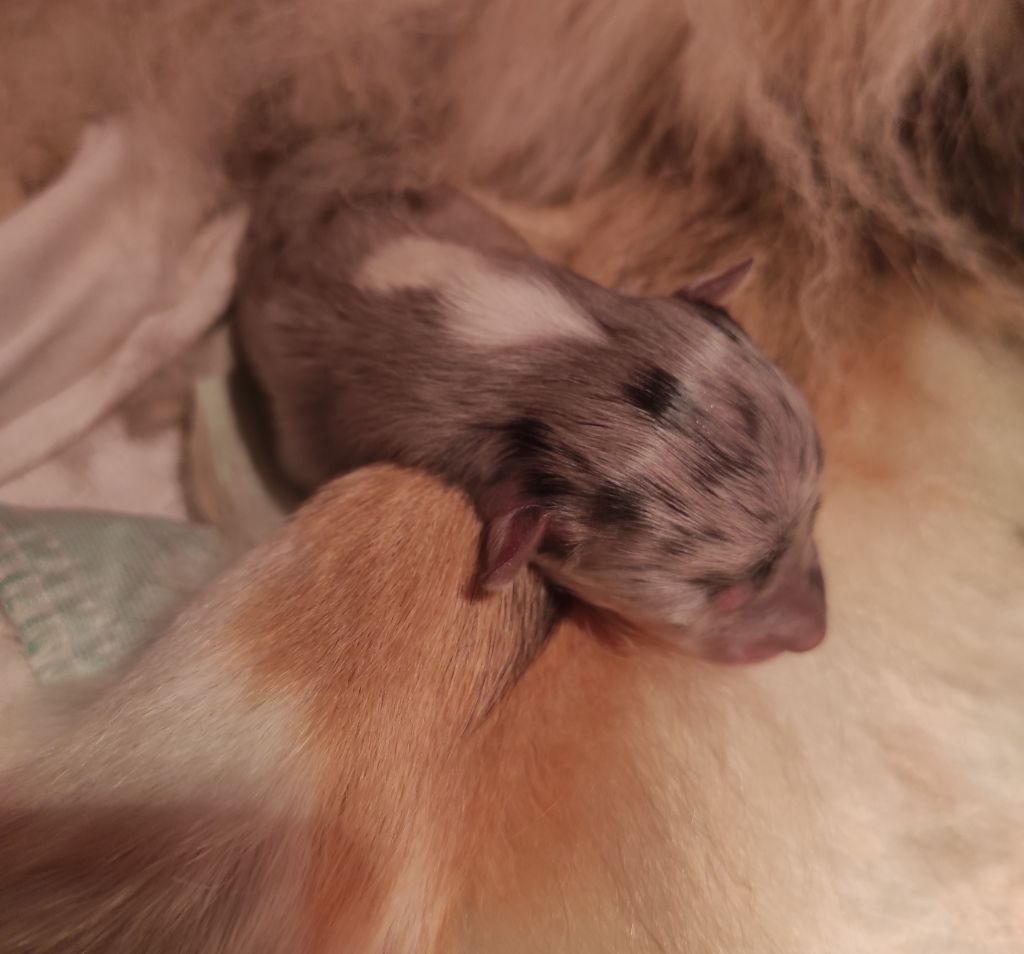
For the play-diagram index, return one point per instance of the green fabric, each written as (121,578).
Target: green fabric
(82,590)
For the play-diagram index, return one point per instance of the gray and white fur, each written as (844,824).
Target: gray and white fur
(642,452)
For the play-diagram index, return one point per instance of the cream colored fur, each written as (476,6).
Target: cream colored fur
(866,797)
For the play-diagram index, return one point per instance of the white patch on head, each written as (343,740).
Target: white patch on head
(488,306)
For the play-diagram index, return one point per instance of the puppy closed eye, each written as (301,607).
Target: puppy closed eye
(761,572)
(733,597)
(726,593)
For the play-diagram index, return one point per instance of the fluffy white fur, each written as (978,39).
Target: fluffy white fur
(867,154)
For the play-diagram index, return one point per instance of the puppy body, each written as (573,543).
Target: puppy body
(641,451)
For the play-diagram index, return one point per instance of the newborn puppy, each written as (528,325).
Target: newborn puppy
(642,452)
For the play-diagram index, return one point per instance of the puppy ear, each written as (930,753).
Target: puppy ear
(715,289)
(514,531)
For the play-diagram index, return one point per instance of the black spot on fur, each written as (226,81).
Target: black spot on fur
(544,485)
(527,436)
(654,391)
(530,439)
(580,462)
(613,505)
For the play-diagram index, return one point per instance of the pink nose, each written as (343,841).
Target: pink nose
(793,638)
(798,612)
(792,617)
(807,629)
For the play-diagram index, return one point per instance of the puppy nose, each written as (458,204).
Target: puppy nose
(807,631)
(790,616)
(800,608)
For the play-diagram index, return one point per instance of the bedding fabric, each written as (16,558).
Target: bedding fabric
(105,277)
(82,590)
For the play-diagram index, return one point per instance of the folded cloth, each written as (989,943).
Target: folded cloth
(232,478)
(108,468)
(104,277)
(82,591)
